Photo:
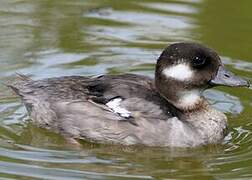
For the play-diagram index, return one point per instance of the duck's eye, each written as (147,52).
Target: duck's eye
(198,61)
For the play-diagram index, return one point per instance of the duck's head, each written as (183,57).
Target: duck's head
(184,70)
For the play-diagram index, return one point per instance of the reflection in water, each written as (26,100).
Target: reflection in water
(226,26)
(46,38)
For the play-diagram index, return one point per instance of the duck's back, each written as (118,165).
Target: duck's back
(118,109)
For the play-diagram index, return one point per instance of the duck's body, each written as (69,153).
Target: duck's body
(126,109)
(76,107)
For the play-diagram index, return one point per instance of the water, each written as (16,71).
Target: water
(46,38)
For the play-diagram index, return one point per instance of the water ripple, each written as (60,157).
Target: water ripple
(46,38)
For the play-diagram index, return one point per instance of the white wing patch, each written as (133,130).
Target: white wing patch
(180,72)
(114,105)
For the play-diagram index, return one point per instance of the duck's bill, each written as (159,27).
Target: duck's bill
(227,78)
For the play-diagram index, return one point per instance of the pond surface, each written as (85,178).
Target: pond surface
(45,38)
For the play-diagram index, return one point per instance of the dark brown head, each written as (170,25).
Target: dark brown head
(184,70)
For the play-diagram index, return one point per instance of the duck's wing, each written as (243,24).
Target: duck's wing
(105,108)
(129,95)
(126,97)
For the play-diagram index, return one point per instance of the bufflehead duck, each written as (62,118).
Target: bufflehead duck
(133,109)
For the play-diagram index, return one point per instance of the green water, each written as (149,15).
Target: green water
(46,38)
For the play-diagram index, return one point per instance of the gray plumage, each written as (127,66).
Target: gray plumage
(75,106)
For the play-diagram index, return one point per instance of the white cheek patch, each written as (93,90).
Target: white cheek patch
(114,105)
(180,72)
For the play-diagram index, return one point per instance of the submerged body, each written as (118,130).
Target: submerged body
(129,109)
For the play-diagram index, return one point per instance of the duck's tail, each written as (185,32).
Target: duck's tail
(19,82)
(22,77)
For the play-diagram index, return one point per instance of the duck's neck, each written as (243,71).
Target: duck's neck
(187,101)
